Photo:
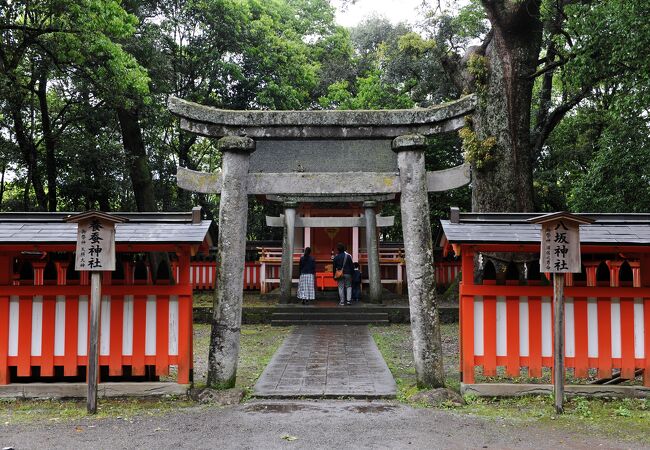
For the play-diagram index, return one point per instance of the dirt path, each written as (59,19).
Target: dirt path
(300,424)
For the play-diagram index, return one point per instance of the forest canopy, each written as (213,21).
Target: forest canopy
(84,86)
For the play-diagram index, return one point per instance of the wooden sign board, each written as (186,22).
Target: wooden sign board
(95,245)
(560,251)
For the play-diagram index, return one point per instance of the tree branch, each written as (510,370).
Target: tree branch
(557,114)
(34,30)
(547,68)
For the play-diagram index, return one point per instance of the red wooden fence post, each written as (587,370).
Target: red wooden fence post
(39,272)
(116,334)
(645,282)
(467,319)
(5,281)
(127,265)
(184,320)
(61,272)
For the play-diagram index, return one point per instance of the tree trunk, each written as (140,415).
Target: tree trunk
(185,197)
(2,183)
(49,140)
(30,156)
(139,169)
(505,181)
(545,97)
(141,179)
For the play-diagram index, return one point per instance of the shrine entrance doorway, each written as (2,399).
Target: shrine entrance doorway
(325,240)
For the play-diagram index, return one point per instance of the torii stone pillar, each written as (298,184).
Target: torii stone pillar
(374,277)
(418,247)
(286,269)
(233,212)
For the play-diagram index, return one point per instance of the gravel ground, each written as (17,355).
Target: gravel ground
(300,424)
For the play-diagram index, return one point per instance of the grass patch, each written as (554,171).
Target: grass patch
(258,343)
(26,411)
(396,346)
(626,419)
(251,300)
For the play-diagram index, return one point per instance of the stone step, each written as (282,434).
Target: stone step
(341,315)
(334,309)
(308,321)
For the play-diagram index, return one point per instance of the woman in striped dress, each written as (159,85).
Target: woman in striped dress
(306,290)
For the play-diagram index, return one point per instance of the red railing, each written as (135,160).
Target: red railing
(512,326)
(203,275)
(446,272)
(140,325)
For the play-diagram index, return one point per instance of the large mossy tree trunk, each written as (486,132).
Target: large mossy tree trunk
(503,171)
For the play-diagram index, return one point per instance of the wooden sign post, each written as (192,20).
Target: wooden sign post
(95,252)
(559,254)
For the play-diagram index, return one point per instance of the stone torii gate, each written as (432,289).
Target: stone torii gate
(334,153)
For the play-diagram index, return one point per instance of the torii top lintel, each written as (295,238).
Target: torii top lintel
(337,124)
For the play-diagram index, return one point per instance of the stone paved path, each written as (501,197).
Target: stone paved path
(327,361)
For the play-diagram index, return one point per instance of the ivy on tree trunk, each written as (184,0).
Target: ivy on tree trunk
(506,182)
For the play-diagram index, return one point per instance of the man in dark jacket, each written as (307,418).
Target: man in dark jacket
(344,260)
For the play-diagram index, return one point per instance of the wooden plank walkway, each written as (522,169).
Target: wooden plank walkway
(327,361)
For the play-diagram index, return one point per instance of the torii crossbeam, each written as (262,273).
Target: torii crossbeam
(324,153)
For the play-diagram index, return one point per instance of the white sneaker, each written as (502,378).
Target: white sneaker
(341,304)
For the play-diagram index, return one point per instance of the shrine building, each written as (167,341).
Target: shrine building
(506,306)
(146,303)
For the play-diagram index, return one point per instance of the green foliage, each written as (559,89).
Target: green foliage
(96,56)
(617,176)
(597,158)
(477,151)
(477,66)
(81,38)
(456,29)
(470,21)
(99,56)
(371,93)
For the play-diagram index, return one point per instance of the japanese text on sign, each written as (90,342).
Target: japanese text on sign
(95,246)
(560,247)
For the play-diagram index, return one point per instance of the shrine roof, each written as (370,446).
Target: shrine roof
(514,228)
(321,124)
(141,228)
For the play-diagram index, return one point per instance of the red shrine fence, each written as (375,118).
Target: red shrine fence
(606,326)
(140,326)
(203,274)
